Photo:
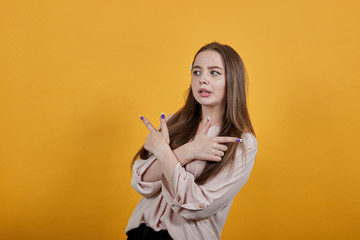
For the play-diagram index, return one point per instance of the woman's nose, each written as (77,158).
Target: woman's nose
(203,79)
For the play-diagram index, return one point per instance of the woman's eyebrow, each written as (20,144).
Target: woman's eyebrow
(210,67)
(213,67)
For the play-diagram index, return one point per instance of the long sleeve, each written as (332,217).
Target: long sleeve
(146,189)
(196,202)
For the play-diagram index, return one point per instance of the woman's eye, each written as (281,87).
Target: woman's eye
(196,73)
(215,73)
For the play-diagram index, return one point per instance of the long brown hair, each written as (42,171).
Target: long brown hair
(236,121)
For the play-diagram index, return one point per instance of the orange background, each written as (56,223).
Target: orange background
(75,76)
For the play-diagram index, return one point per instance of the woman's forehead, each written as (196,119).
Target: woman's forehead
(208,58)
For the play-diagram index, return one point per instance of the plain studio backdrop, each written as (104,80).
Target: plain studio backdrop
(76,75)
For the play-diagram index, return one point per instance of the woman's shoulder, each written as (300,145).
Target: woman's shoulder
(249,140)
(248,150)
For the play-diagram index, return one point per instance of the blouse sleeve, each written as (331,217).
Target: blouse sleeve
(146,189)
(196,202)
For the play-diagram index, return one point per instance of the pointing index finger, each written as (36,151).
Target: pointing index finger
(228,139)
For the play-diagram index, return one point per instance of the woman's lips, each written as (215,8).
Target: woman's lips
(204,92)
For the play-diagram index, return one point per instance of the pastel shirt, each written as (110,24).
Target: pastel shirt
(191,211)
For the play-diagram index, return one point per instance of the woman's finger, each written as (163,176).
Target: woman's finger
(219,153)
(148,124)
(164,129)
(205,128)
(227,139)
(214,158)
(221,147)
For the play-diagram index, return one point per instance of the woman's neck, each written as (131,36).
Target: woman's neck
(215,115)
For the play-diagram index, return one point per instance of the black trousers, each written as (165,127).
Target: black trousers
(144,232)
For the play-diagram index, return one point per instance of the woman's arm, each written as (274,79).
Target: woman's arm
(196,202)
(158,144)
(146,189)
(202,147)
(146,179)
(154,172)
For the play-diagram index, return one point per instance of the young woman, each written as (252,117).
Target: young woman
(190,170)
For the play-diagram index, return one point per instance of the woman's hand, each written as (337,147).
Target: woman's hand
(156,141)
(206,148)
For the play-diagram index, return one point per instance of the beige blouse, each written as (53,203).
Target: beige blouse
(192,211)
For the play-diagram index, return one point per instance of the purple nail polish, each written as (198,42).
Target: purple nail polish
(163,115)
(239,140)
(141,117)
(208,118)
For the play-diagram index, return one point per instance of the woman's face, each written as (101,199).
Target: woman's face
(208,79)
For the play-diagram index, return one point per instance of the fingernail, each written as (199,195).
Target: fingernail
(141,117)
(239,140)
(208,118)
(163,115)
